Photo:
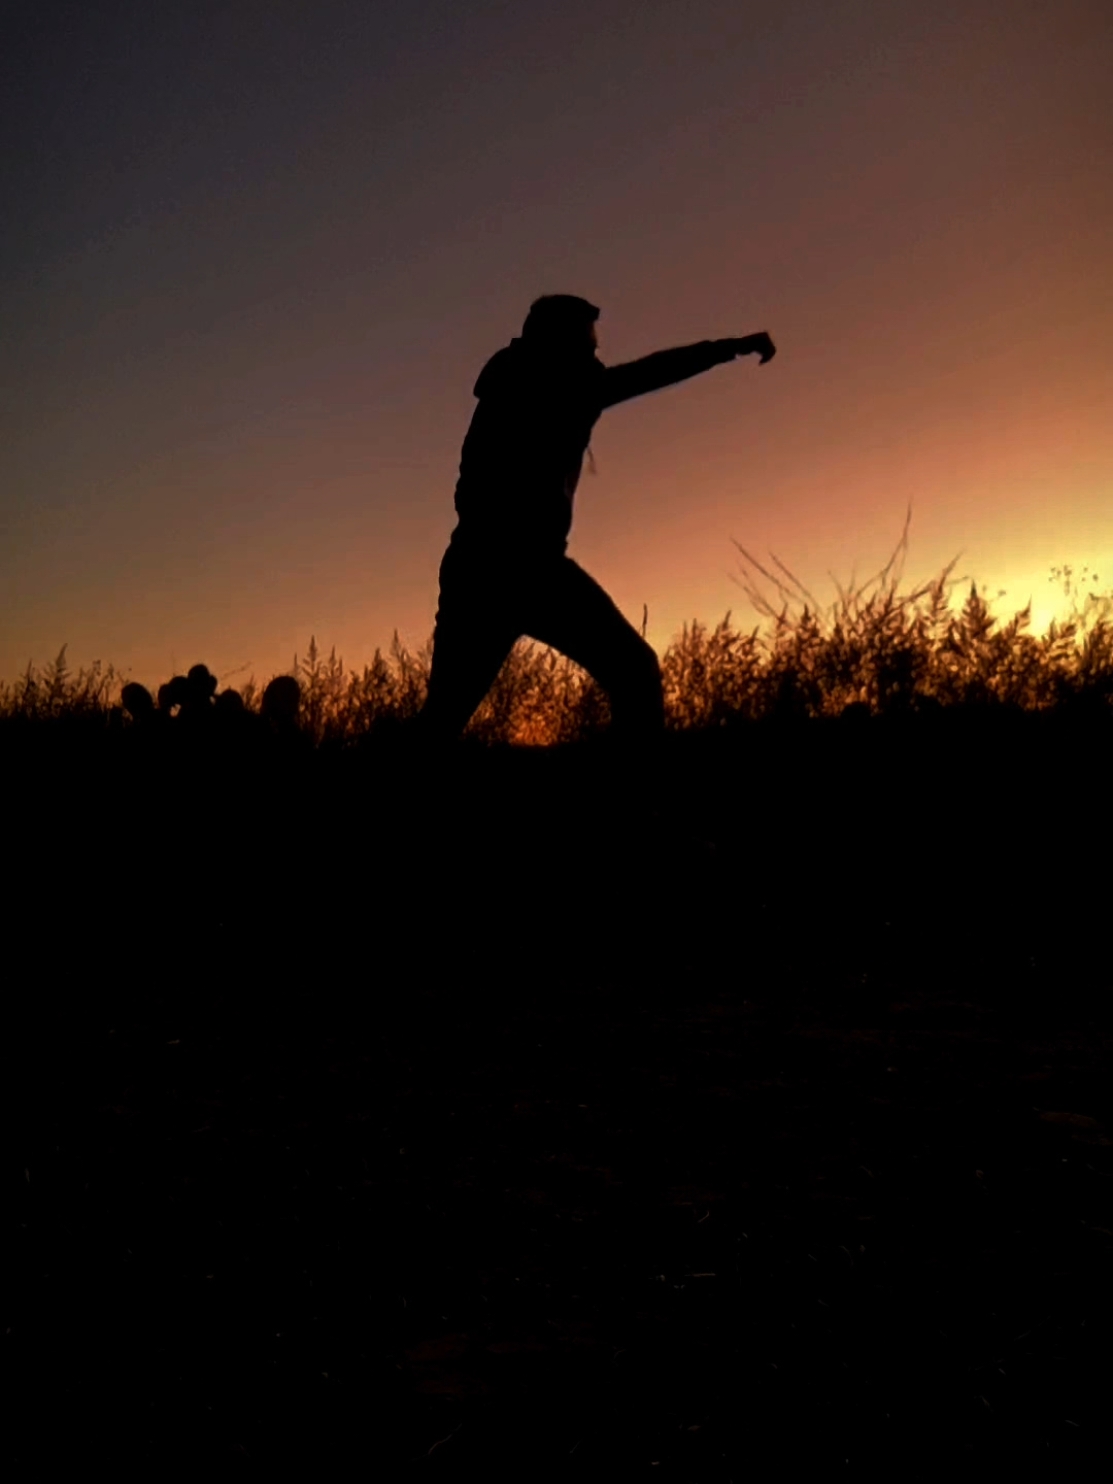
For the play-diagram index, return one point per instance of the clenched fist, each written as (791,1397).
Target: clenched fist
(755,345)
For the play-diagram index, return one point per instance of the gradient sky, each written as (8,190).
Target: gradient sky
(254,255)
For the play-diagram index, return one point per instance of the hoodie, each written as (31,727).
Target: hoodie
(523,453)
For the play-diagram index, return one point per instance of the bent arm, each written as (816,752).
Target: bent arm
(668,366)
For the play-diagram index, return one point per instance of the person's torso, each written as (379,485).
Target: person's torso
(524,450)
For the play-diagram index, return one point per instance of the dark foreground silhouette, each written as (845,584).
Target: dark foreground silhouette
(747,1108)
(505,573)
(192,722)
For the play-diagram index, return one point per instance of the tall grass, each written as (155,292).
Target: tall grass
(58,692)
(877,648)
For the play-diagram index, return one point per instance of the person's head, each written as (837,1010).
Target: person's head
(561,324)
(202,684)
(281,701)
(137,701)
(229,705)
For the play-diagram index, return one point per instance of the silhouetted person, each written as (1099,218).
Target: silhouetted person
(280,709)
(138,702)
(281,704)
(229,707)
(148,723)
(173,694)
(505,573)
(233,722)
(197,699)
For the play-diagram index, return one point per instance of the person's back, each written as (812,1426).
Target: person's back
(523,452)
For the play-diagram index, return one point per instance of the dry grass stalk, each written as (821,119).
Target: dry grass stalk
(876,648)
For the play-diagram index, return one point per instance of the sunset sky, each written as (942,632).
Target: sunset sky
(254,255)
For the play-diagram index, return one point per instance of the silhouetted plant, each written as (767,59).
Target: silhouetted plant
(339,706)
(878,649)
(55,691)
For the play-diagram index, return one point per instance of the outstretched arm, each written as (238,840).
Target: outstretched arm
(665,367)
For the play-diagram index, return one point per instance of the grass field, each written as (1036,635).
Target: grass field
(878,649)
(555,1111)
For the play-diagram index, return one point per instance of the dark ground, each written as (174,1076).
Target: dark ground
(694,1117)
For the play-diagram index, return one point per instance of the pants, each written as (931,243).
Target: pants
(489,601)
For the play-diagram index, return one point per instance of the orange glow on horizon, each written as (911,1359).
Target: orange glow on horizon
(235,402)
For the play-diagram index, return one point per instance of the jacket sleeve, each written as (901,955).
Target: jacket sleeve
(664,367)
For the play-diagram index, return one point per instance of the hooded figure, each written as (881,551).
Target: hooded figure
(505,573)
